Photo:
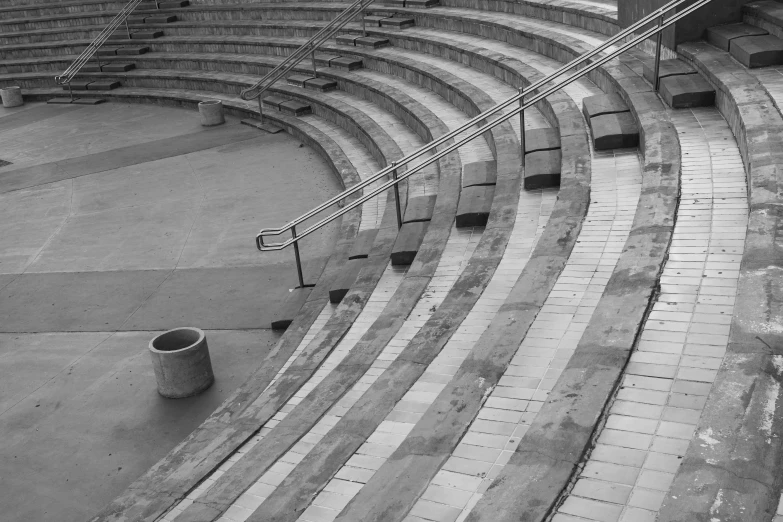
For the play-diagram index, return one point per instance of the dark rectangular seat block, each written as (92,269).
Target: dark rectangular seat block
(542,169)
(175,4)
(373,21)
(298,79)
(129,51)
(119,67)
(323,59)
(474,206)
(274,101)
(395,3)
(758,51)
(137,19)
(347,39)
(542,139)
(80,85)
(371,41)
(92,67)
(160,19)
(295,108)
(615,131)
(60,100)
(146,35)
(721,35)
(345,279)
(346,63)
(692,90)
(479,173)
(421,3)
(320,84)
(88,101)
(286,313)
(600,104)
(119,35)
(362,245)
(409,239)
(667,68)
(103,85)
(399,23)
(419,208)
(107,52)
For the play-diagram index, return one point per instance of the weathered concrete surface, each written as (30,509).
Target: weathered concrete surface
(95,390)
(758,51)
(688,90)
(731,470)
(721,35)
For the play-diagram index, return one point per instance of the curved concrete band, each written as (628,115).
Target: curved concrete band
(180,359)
(11,96)
(211,112)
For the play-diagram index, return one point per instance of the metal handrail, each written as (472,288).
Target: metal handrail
(309,47)
(656,30)
(73,69)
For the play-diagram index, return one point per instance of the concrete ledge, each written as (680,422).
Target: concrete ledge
(541,139)
(419,209)
(409,239)
(667,68)
(736,475)
(614,131)
(479,173)
(758,51)
(362,245)
(343,283)
(601,104)
(542,169)
(685,91)
(475,204)
(721,35)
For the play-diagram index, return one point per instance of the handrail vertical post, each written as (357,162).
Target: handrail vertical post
(312,55)
(656,79)
(127,29)
(522,128)
(298,260)
(397,196)
(364,22)
(70,91)
(260,110)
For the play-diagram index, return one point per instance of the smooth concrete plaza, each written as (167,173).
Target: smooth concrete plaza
(118,221)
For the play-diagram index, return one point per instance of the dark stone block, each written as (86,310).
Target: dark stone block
(298,79)
(409,239)
(721,35)
(421,3)
(290,307)
(372,42)
(479,173)
(320,84)
(362,245)
(667,68)
(88,101)
(146,35)
(127,51)
(474,206)
(174,4)
(295,108)
(78,85)
(601,104)
(323,59)
(103,85)
(542,139)
(542,169)
(60,100)
(615,131)
(92,67)
(345,279)
(347,39)
(119,67)
(395,3)
(346,63)
(107,52)
(274,101)
(758,51)
(419,208)
(398,23)
(691,90)
(160,19)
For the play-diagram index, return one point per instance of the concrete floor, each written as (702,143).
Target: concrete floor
(119,221)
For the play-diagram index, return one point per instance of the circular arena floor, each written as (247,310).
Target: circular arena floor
(118,221)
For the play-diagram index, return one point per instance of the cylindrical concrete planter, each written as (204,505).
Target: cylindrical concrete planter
(211,113)
(11,96)
(180,358)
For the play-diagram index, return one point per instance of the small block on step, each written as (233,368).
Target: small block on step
(127,51)
(615,131)
(346,63)
(88,101)
(164,19)
(419,208)
(298,79)
(274,101)
(721,35)
(421,3)
(119,67)
(295,108)
(474,206)
(758,51)
(374,21)
(362,245)
(347,39)
(479,173)
(666,68)
(542,169)
(542,139)
(60,100)
(691,90)
(601,104)
(371,41)
(290,308)
(408,242)
(103,85)
(320,84)
(79,85)
(345,279)
(399,23)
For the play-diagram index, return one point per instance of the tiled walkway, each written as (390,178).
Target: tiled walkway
(550,342)
(666,383)
(533,212)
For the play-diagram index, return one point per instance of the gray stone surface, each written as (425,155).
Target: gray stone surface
(542,139)
(408,241)
(343,283)
(721,36)
(289,307)
(474,206)
(363,243)
(419,209)
(479,173)
(615,131)
(666,68)
(691,90)
(600,104)
(542,169)
(758,51)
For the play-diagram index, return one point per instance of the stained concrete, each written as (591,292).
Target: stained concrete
(118,222)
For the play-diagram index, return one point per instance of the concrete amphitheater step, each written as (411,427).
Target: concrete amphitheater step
(712,453)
